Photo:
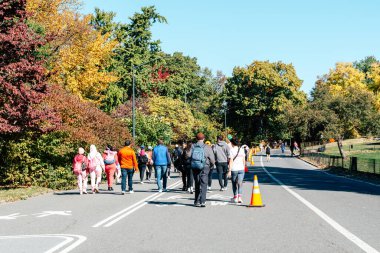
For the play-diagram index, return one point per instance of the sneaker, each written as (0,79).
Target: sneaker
(234,199)
(131,191)
(221,189)
(123,192)
(96,190)
(84,192)
(197,204)
(168,177)
(112,189)
(159,190)
(166,190)
(203,205)
(209,189)
(184,188)
(189,189)
(142,182)
(80,193)
(225,189)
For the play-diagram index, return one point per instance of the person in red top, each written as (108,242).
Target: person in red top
(80,164)
(128,164)
(111,161)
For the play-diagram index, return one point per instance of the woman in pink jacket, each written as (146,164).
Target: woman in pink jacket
(80,164)
(111,162)
(95,167)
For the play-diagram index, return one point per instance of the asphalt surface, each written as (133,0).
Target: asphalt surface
(306,211)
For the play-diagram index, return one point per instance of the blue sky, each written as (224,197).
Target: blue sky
(221,34)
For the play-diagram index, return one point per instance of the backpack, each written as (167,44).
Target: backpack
(198,159)
(110,158)
(79,166)
(267,150)
(143,159)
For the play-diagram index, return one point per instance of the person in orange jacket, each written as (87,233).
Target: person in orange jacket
(128,164)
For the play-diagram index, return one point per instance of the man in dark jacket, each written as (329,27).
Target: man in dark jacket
(222,157)
(201,174)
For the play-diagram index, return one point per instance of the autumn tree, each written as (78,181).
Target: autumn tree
(80,55)
(22,74)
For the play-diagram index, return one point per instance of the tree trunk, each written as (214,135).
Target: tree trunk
(340,147)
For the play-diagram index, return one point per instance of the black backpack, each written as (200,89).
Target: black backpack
(143,159)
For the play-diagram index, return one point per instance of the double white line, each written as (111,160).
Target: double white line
(129,210)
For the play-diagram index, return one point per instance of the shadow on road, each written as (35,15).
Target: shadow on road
(307,179)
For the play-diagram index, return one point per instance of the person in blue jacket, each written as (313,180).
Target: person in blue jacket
(161,161)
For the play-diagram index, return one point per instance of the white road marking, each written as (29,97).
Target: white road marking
(218,203)
(12,216)
(350,236)
(49,213)
(58,248)
(125,212)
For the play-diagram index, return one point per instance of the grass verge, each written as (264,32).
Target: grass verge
(14,194)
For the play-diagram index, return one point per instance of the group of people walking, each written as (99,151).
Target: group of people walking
(195,162)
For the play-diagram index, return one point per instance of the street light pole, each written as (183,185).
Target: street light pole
(225,116)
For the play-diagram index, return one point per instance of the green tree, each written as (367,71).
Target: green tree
(257,96)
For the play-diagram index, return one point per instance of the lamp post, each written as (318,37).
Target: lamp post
(134,96)
(225,116)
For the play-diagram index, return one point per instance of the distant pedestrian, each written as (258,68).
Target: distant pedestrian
(176,157)
(179,165)
(149,168)
(111,162)
(222,156)
(128,164)
(142,160)
(296,146)
(95,166)
(202,159)
(161,160)
(80,164)
(267,152)
(186,160)
(236,170)
(282,147)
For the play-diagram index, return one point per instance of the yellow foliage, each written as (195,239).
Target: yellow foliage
(81,54)
(343,76)
(374,74)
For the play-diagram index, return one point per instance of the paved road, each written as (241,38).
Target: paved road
(306,211)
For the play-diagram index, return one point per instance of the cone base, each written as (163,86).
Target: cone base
(256,206)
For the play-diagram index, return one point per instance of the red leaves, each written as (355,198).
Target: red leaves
(161,75)
(23,82)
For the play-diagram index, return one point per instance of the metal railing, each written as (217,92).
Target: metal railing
(349,163)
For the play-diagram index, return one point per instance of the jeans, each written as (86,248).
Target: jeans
(200,178)
(149,172)
(190,176)
(210,177)
(237,182)
(222,169)
(142,172)
(124,174)
(161,174)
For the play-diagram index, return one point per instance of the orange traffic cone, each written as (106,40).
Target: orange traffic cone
(256,195)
